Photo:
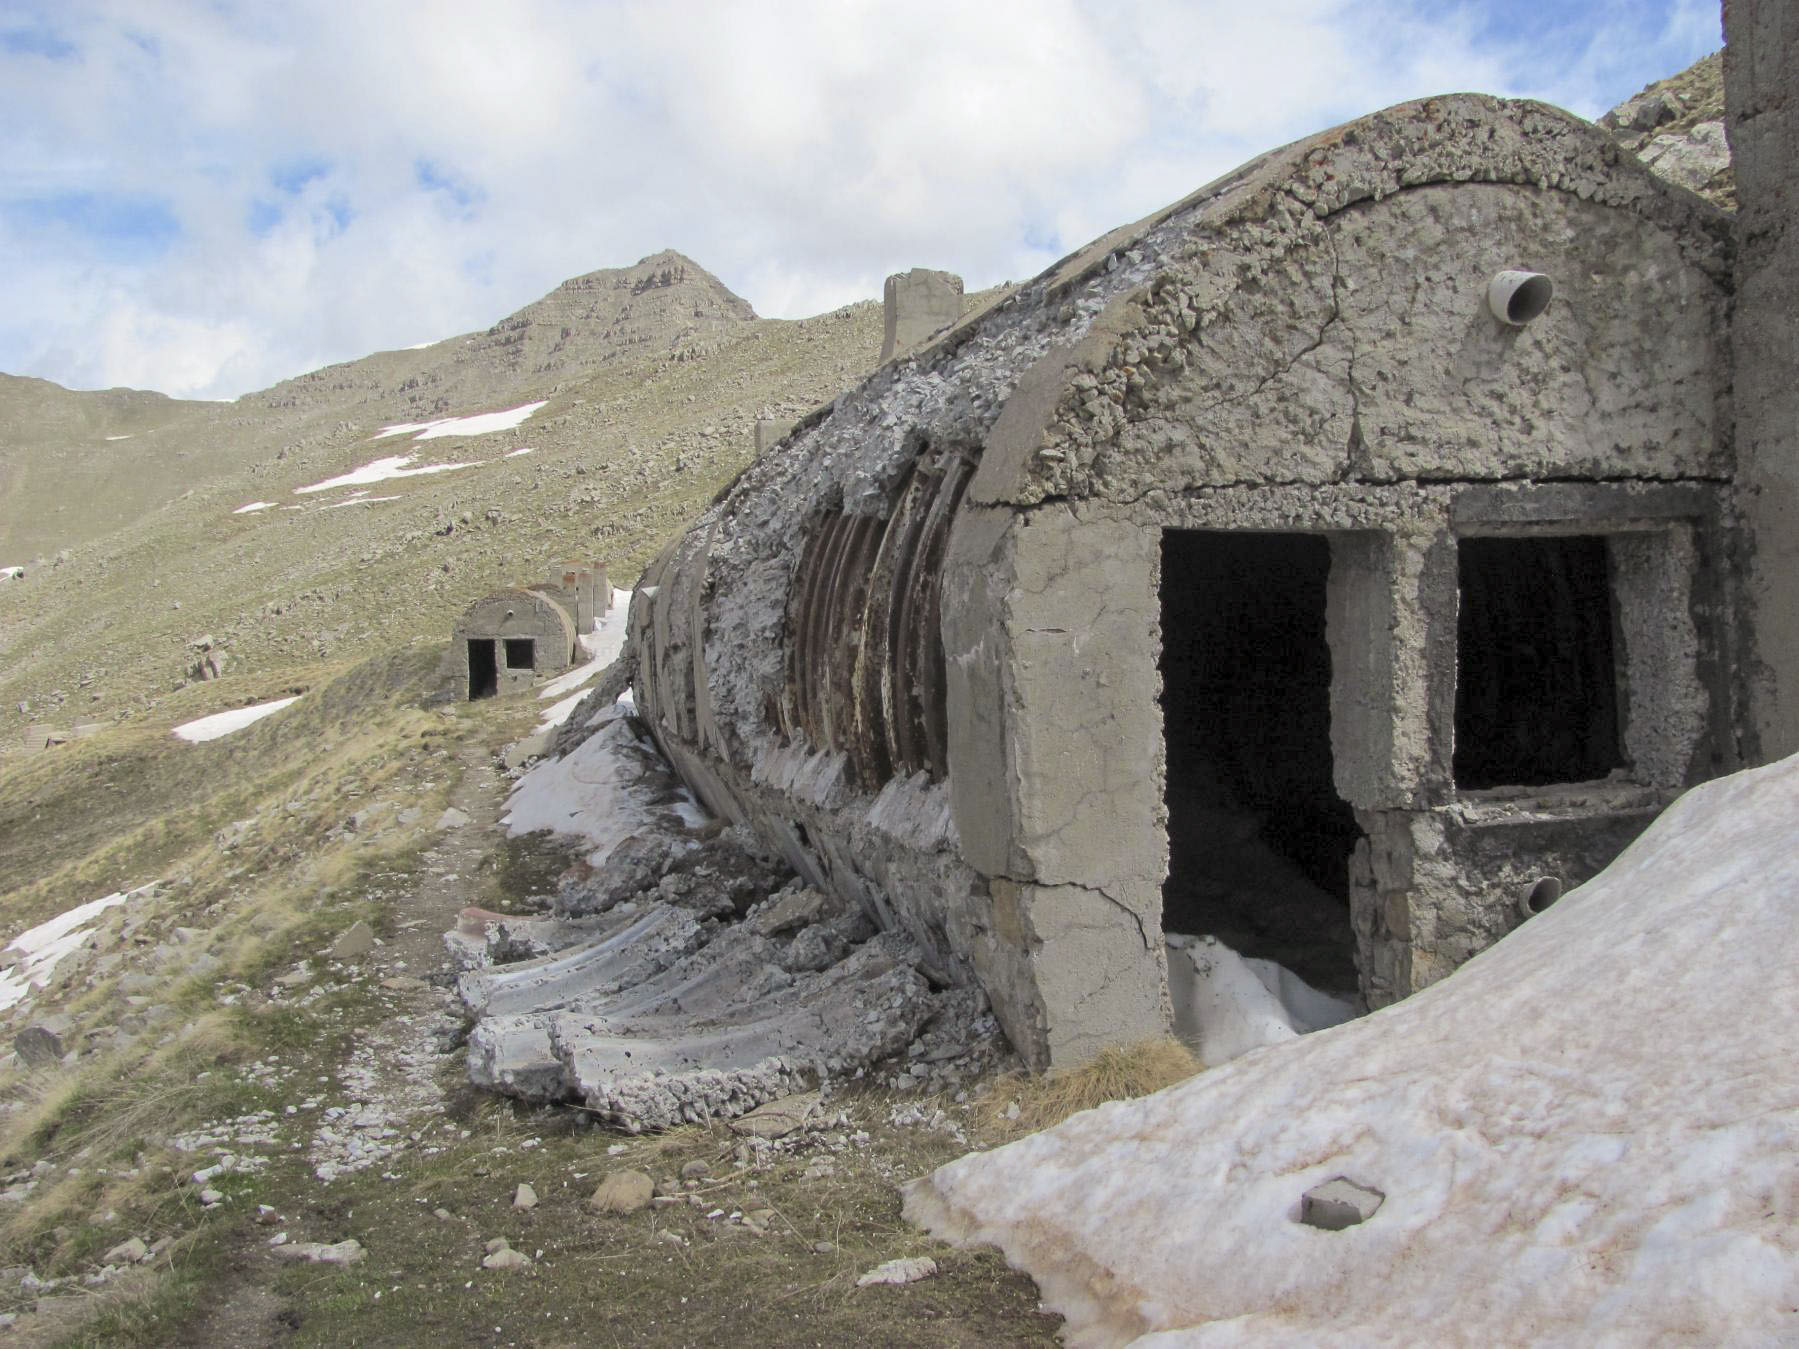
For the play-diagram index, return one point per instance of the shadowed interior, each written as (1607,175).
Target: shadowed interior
(1258,839)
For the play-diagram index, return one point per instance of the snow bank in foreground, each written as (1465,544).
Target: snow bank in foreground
(31,957)
(1585,1136)
(224,723)
(251,507)
(479,424)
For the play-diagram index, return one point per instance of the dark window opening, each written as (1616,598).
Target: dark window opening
(521,653)
(483,672)
(1258,839)
(1536,696)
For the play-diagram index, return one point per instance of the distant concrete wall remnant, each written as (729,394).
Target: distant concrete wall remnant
(40,735)
(582,591)
(768,432)
(916,304)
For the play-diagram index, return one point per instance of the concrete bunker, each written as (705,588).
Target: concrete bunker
(1213,580)
(506,642)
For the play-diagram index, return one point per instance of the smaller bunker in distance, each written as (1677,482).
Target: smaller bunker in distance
(508,641)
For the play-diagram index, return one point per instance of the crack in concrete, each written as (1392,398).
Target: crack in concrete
(1137,918)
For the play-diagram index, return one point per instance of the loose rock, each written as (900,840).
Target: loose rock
(1339,1203)
(908,1269)
(126,1252)
(356,941)
(524,1197)
(622,1192)
(320,1253)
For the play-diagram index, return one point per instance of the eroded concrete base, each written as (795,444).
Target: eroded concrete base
(696,988)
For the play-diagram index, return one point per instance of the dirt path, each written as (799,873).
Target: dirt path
(393,1092)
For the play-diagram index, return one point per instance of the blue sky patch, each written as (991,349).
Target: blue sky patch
(262,217)
(36,41)
(292,175)
(121,227)
(433,178)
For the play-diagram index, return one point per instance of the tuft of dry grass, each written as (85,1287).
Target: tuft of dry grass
(1116,1073)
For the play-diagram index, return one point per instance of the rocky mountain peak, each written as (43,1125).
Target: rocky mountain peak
(1676,127)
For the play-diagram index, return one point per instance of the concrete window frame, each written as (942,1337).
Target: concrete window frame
(1668,633)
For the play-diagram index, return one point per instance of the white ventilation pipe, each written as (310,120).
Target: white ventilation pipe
(1518,297)
(1539,897)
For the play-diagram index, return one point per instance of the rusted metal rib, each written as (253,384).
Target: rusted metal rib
(865,652)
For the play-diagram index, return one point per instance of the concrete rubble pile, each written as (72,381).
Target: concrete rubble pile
(684,975)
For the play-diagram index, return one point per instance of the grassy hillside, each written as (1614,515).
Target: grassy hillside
(650,406)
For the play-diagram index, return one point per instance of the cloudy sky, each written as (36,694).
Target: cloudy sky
(206,197)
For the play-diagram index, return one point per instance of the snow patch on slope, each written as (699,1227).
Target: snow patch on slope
(31,958)
(224,723)
(380,470)
(601,647)
(477,424)
(595,793)
(1585,1136)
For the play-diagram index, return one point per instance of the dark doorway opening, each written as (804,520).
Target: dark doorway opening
(1258,839)
(1536,679)
(521,653)
(483,670)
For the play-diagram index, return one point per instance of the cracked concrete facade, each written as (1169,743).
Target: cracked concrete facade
(934,647)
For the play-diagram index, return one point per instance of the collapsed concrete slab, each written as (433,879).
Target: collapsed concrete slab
(1320,564)
(684,975)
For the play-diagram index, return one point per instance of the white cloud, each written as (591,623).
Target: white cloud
(355,178)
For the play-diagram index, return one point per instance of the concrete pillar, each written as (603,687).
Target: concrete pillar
(1761,96)
(579,580)
(916,304)
(769,431)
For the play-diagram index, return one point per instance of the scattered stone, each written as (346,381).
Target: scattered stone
(504,1257)
(128,1252)
(320,1253)
(907,1269)
(779,1118)
(41,1045)
(695,1171)
(622,1192)
(209,1197)
(355,942)
(1339,1203)
(823,1248)
(531,747)
(524,1197)
(442,1214)
(266,1216)
(452,818)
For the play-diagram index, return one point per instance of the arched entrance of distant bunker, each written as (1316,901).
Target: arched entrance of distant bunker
(1259,841)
